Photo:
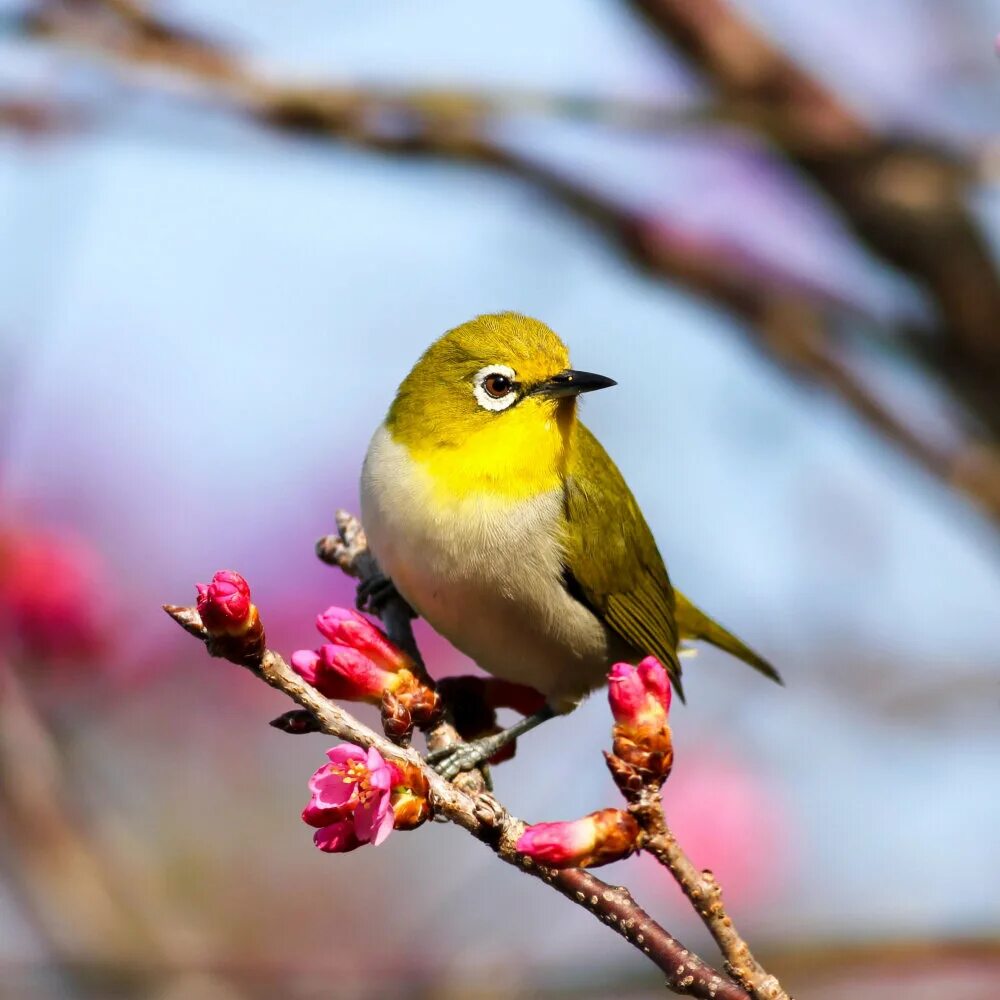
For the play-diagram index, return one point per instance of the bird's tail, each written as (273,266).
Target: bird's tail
(693,623)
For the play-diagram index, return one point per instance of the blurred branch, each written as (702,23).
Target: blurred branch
(478,813)
(905,198)
(790,321)
(65,884)
(37,116)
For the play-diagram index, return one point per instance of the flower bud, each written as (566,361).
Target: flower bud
(232,622)
(410,804)
(397,723)
(304,663)
(350,628)
(344,672)
(643,746)
(297,722)
(598,839)
(639,696)
(651,759)
(224,604)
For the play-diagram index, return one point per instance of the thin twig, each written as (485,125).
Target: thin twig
(705,895)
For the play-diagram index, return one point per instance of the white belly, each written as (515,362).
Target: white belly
(486,573)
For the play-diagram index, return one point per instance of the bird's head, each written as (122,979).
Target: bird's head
(496,378)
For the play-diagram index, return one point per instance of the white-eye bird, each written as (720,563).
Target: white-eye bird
(503,522)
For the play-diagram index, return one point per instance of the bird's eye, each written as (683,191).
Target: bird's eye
(497,385)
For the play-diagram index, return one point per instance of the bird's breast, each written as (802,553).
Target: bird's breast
(485,571)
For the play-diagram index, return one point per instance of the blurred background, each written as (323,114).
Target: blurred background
(226,232)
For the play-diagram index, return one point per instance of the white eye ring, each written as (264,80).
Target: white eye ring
(485,400)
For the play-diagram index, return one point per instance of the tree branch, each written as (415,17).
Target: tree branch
(906,199)
(788,320)
(704,894)
(480,814)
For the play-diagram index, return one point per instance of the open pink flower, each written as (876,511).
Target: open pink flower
(598,839)
(639,696)
(224,604)
(350,802)
(346,627)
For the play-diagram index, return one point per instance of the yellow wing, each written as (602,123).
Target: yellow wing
(612,562)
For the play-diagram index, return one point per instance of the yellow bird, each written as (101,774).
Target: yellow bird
(503,522)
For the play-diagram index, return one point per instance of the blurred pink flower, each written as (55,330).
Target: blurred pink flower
(346,627)
(53,600)
(224,604)
(351,799)
(598,839)
(732,819)
(639,696)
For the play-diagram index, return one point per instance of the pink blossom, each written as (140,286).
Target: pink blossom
(224,604)
(346,627)
(52,597)
(350,802)
(639,696)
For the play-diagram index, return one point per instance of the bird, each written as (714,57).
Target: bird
(502,521)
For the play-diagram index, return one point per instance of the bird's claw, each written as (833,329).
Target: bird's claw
(451,761)
(374,592)
(489,812)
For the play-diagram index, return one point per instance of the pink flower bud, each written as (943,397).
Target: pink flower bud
(343,672)
(224,604)
(639,696)
(304,663)
(361,664)
(598,839)
(350,628)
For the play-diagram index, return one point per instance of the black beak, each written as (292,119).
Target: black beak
(572,383)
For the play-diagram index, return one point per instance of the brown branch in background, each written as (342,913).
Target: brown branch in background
(70,891)
(906,199)
(789,321)
(38,116)
(480,814)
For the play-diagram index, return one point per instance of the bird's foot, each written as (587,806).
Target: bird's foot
(489,812)
(452,761)
(374,592)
